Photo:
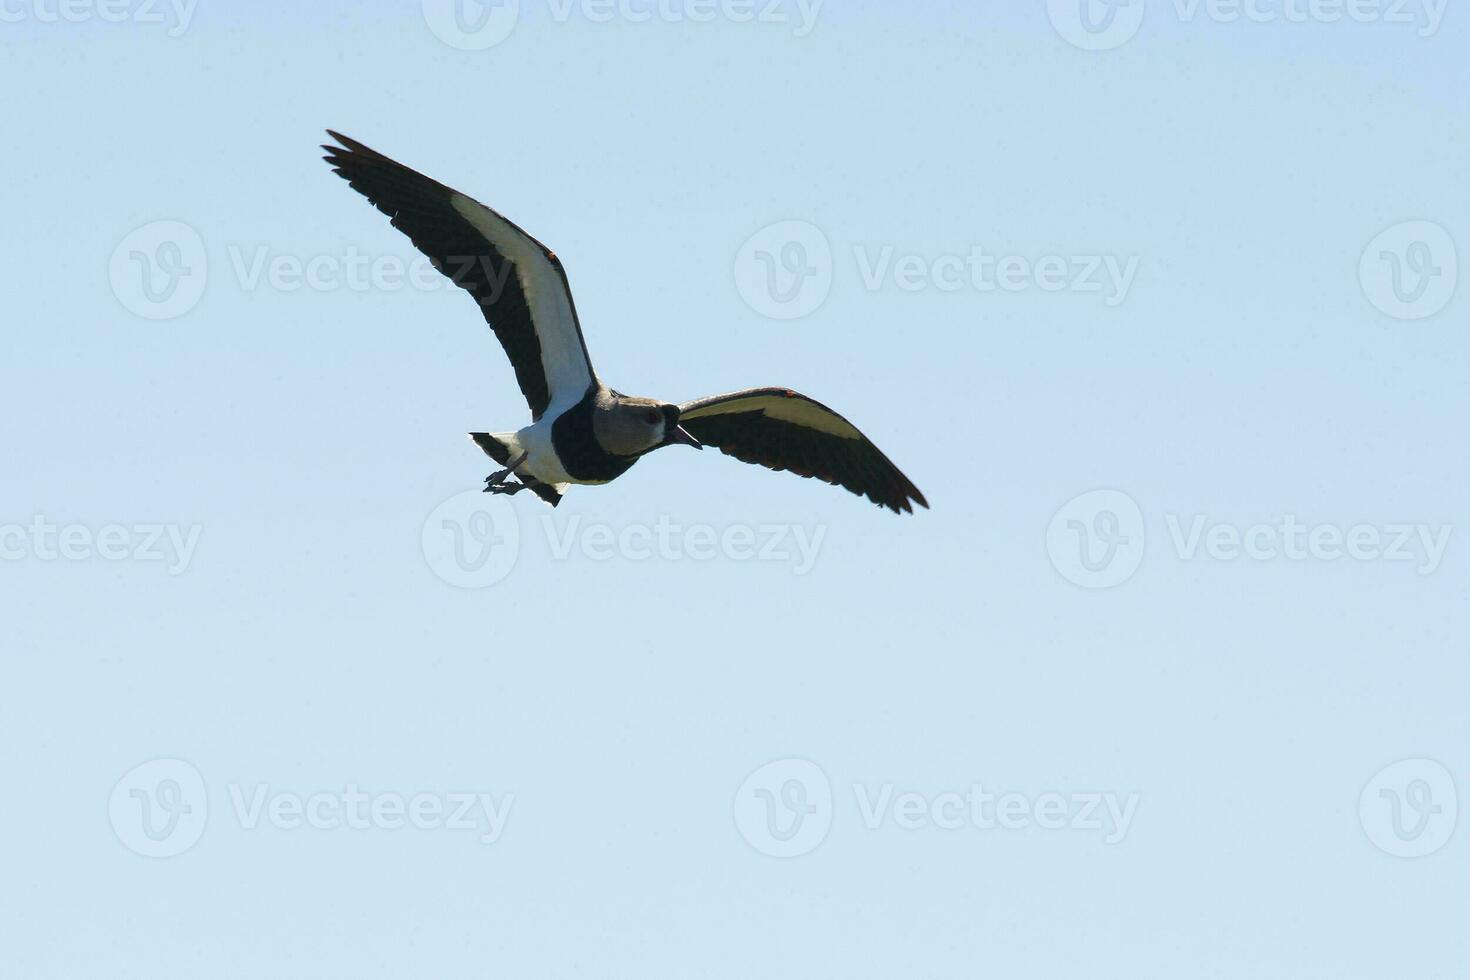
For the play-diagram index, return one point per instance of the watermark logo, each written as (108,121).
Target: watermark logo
(1096,25)
(159,271)
(159,809)
(472,25)
(1409,809)
(1096,540)
(1409,271)
(353,270)
(472,539)
(784,271)
(1100,25)
(784,808)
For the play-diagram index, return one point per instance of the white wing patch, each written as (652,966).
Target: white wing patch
(563,360)
(797,411)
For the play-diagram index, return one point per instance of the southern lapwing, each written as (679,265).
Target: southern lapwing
(581,430)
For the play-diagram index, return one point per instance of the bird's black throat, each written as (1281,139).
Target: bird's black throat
(578,449)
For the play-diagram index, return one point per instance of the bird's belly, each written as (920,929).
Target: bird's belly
(542,461)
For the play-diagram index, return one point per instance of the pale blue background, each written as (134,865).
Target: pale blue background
(310,433)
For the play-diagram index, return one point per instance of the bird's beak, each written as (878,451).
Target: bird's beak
(681,437)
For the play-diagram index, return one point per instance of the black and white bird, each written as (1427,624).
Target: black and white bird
(582,431)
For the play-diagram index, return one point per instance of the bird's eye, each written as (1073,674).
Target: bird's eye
(652,417)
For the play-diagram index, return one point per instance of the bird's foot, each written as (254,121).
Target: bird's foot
(497,483)
(500,482)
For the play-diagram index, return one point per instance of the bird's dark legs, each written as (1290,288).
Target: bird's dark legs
(499,482)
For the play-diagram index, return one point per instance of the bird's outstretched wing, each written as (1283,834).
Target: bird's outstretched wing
(784,430)
(519,283)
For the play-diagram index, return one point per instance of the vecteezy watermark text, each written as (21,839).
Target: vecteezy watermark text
(1101,25)
(160,270)
(977,269)
(1098,538)
(1294,540)
(474,25)
(41,540)
(1107,814)
(668,540)
(473,540)
(355,271)
(352,809)
(176,14)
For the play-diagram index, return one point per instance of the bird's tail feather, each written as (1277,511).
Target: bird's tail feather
(498,446)
(502,447)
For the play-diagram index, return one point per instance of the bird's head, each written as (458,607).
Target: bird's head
(627,426)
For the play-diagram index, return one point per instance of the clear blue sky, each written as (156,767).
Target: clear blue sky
(306,629)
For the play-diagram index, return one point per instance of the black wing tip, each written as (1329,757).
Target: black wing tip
(347,142)
(890,488)
(917,498)
(349,149)
(905,503)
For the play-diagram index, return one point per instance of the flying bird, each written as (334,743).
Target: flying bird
(581,431)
